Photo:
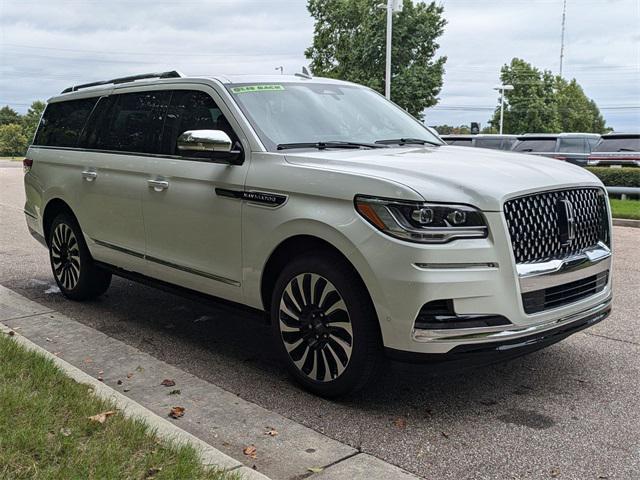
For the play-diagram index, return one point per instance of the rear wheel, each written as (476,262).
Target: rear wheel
(73,268)
(325,326)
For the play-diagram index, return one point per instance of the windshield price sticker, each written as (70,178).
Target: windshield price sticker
(257,88)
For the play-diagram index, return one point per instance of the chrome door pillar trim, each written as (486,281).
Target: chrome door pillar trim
(538,276)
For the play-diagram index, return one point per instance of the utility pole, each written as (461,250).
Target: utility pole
(502,89)
(564,15)
(392,6)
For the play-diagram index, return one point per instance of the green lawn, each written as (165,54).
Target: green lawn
(625,208)
(16,159)
(45,432)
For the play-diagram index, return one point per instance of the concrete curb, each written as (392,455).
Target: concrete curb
(626,222)
(132,409)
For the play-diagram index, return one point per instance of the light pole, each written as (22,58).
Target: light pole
(392,6)
(281,70)
(502,89)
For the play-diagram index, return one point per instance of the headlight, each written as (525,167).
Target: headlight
(422,222)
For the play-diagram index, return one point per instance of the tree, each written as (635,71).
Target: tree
(450,130)
(13,141)
(8,115)
(349,43)
(31,119)
(543,103)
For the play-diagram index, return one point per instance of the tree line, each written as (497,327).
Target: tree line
(17,131)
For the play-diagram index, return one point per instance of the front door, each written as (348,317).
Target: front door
(193,235)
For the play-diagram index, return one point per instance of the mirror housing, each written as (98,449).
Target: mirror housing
(204,141)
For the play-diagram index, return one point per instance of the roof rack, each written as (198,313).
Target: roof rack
(132,78)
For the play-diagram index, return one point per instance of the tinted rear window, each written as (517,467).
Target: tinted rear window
(573,145)
(461,142)
(63,122)
(494,143)
(536,145)
(133,123)
(619,144)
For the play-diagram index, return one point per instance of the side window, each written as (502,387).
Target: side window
(63,122)
(133,123)
(571,145)
(192,110)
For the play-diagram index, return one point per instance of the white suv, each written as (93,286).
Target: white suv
(358,231)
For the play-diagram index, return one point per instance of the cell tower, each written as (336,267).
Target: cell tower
(564,15)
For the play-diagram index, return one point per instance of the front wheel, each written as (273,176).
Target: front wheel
(74,270)
(325,326)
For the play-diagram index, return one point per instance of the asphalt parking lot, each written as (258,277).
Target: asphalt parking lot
(570,411)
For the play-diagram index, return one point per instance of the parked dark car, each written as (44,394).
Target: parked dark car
(572,147)
(617,149)
(494,142)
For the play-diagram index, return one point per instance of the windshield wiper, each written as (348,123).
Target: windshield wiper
(407,141)
(324,145)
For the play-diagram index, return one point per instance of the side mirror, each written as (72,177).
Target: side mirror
(204,141)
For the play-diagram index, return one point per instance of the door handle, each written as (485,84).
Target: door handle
(158,185)
(89,176)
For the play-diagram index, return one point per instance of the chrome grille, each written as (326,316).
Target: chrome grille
(558,296)
(534,223)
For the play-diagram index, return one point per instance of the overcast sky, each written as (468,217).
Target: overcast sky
(48,45)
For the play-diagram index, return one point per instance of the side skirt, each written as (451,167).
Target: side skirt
(181,291)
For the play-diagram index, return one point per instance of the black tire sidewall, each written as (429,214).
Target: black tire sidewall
(366,348)
(91,281)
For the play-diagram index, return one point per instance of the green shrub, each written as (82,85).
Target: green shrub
(617,177)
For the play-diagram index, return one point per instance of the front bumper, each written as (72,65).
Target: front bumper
(507,344)
(480,278)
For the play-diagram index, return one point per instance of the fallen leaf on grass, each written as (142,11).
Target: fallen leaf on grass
(250,451)
(175,392)
(152,472)
(272,432)
(102,417)
(168,382)
(129,375)
(65,432)
(315,469)
(176,412)
(400,422)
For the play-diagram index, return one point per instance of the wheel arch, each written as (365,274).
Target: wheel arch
(292,247)
(52,209)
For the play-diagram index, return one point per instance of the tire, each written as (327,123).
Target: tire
(331,344)
(73,268)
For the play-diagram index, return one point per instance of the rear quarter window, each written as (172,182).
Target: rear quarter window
(63,122)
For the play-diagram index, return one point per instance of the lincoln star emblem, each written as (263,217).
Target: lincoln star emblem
(566,221)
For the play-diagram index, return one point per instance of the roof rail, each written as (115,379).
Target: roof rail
(132,78)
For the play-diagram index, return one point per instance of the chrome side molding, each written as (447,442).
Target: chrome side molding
(538,276)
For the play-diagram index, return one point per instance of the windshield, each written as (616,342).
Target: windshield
(619,144)
(536,145)
(291,113)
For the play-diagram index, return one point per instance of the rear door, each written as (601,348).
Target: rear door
(193,230)
(123,131)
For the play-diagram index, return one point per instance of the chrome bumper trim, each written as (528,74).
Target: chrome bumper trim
(499,333)
(538,276)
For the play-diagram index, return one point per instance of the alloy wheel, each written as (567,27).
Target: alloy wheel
(65,256)
(315,327)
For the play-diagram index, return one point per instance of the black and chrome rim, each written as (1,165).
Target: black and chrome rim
(316,327)
(65,256)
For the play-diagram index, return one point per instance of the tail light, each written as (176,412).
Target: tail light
(27,163)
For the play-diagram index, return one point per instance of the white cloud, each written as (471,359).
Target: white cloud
(79,41)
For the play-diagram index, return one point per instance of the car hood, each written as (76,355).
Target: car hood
(479,177)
